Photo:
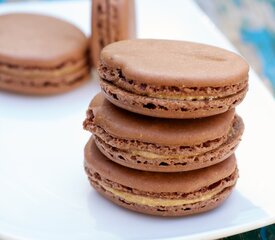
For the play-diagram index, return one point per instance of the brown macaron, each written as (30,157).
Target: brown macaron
(41,54)
(112,20)
(165,145)
(164,194)
(172,79)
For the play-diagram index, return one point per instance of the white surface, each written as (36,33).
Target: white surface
(44,193)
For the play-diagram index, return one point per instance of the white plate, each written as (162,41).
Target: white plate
(44,193)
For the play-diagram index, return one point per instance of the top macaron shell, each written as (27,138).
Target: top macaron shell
(172,79)
(130,126)
(41,41)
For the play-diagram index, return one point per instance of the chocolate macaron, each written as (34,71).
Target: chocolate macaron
(112,20)
(41,54)
(165,145)
(172,79)
(164,194)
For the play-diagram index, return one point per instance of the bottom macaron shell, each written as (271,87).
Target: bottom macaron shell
(47,88)
(169,108)
(173,211)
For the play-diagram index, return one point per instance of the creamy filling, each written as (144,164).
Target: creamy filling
(150,155)
(153,202)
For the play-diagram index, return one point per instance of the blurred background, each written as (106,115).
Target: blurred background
(249,25)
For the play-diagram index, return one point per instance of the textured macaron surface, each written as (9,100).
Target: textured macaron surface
(157,144)
(165,75)
(41,54)
(160,193)
(175,63)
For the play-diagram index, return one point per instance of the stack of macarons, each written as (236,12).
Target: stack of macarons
(164,126)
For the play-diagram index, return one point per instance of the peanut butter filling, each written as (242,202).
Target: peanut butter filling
(153,202)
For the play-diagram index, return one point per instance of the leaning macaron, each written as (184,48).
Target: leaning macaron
(165,145)
(41,54)
(164,194)
(172,79)
(112,20)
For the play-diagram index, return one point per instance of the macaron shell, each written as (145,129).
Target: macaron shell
(165,108)
(127,125)
(175,63)
(31,40)
(156,181)
(174,211)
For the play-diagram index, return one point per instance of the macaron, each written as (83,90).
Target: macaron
(112,20)
(163,194)
(41,54)
(172,79)
(164,145)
